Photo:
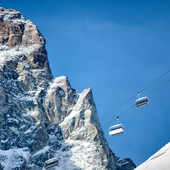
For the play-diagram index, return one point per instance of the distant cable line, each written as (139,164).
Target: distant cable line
(119,115)
(132,97)
(133,105)
(158,88)
(149,85)
(155,80)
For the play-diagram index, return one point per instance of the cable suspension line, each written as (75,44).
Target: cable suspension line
(149,85)
(132,97)
(119,115)
(152,92)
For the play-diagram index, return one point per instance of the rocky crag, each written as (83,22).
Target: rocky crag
(40,113)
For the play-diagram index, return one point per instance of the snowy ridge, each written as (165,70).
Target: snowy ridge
(57,82)
(11,15)
(82,150)
(10,156)
(159,161)
(72,156)
(76,110)
(7,53)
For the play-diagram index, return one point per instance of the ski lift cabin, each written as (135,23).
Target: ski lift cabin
(116,129)
(51,163)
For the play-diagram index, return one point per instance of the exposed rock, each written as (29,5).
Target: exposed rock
(124,164)
(40,113)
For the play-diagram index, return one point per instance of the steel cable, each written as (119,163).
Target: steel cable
(135,95)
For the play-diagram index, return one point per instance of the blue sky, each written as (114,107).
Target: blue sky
(116,48)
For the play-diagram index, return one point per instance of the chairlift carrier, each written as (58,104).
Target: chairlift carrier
(116,129)
(141,101)
(51,163)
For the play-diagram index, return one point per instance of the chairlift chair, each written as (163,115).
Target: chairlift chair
(116,129)
(51,162)
(141,101)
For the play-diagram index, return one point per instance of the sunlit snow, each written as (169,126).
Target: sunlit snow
(8,157)
(159,161)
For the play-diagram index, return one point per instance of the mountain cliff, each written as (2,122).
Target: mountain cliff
(40,113)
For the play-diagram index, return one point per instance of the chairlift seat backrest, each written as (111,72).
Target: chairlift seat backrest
(141,101)
(51,163)
(116,129)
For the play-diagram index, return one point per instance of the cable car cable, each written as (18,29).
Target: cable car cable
(133,105)
(159,87)
(155,81)
(132,97)
(119,115)
(118,106)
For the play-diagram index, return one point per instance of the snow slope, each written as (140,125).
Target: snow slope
(159,161)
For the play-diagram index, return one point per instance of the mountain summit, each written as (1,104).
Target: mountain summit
(40,113)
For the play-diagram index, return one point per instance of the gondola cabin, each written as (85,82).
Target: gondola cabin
(141,101)
(116,129)
(51,163)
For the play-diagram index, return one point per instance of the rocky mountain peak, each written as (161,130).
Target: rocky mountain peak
(40,113)
(20,38)
(16,30)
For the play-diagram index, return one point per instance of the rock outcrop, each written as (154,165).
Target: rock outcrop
(40,113)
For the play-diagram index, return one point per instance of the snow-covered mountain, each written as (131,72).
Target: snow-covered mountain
(159,161)
(40,113)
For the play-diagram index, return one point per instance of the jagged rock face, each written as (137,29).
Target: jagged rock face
(39,113)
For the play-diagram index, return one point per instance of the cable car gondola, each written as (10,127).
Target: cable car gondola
(141,101)
(116,129)
(51,162)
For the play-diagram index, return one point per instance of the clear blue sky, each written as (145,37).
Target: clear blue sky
(116,48)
